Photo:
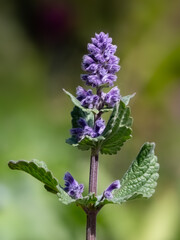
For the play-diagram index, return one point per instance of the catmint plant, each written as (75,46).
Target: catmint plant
(90,132)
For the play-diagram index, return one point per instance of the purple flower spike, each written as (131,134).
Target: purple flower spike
(108,192)
(100,63)
(112,97)
(74,189)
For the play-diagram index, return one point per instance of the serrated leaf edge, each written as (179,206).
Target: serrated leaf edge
(130,197)
(58,190)
(12,164)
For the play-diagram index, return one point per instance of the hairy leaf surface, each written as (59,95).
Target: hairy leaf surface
(118,129)
(141,178)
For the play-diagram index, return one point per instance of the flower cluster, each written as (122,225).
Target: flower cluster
(108,192)
(85,130)
(112,97)
(101,66)
(100,62)
(74,189)
(87,98)
(90,100)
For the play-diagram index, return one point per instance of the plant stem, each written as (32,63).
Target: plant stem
(92,213)
(91,225)
(93,175)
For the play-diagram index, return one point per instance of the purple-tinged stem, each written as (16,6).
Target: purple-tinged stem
(92,213)
(93,176)
(93,179)
(91,225)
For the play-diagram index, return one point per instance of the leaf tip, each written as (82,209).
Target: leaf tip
(64,90)
(150,146)
(127,98)
(11,164)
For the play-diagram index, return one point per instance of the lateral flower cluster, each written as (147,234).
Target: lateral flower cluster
(108,192)
(85,130)
(75,190)
(101,66)
(72,187)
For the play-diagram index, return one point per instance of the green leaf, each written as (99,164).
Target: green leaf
(141,178)
(117,130)
(39,170)
(78,113)
(63,196)
(78,103)
(88,142)
(115,134)
(85,143)
(127,98)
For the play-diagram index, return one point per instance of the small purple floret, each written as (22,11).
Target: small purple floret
(108,192)
(88,131)
(77,132)
(99,126)
(83,130)
(72,187)
(87,98)
(100,63)
(112,97)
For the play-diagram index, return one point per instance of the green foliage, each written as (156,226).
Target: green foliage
(139,181)
(78,104)
(141,178)
(78,113)
(63,196)
(117,130)
(87,142)
(127,98)
(39,170)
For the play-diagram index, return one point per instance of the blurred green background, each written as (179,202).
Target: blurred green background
(41,47)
